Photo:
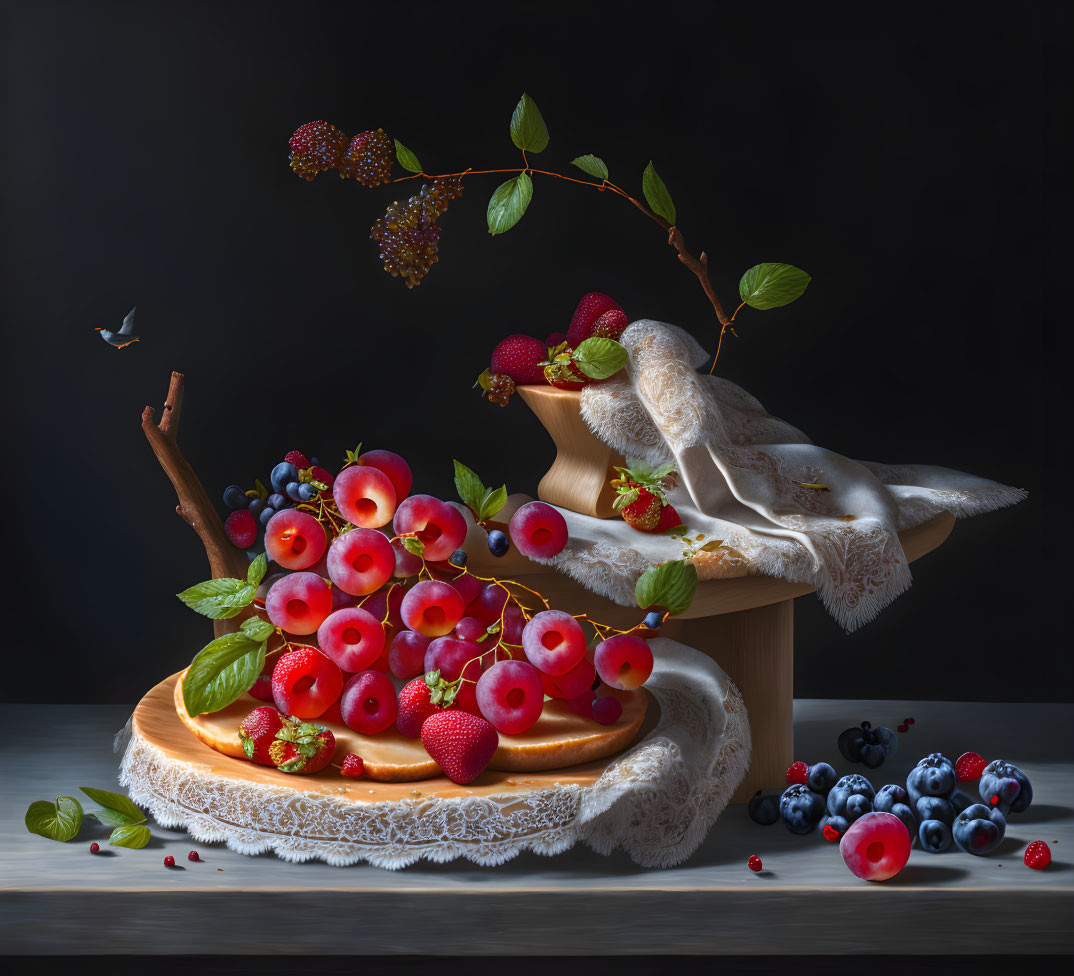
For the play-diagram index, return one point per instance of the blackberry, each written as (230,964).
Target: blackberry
(408,234)
(501,387)
(316,147)
(369,158)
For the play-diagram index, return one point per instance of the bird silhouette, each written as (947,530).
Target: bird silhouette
(123,337)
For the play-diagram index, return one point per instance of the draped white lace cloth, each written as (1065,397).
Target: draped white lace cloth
(656,801)
(738,467)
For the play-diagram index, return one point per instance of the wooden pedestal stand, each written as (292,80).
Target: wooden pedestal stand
(746,624)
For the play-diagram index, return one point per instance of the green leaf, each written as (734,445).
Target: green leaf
(257,629)
(509,203)
(222,672)
(432,678)
(219,598)
(772,285)
(670,586)
(116,804)
(593,165)
(656,194)
(413,545)
(494,499)
(133,835)
(111,818)
(352,456)
(599,358)
(484,379)
(256,573)
(58,821)
(528,130)
(470,487)
(406,158)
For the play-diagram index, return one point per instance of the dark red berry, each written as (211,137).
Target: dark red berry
(830,833)
(94,848)
(902,728)
(994,799)
(298,459)
(1038,855)
(798,772)
(193,856)
(754,863)
(908,721)
(169,861)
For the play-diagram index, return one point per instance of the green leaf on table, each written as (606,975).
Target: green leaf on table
(406,158)
(669,586)
(413,545)
(491,502)
(132,835)
(656,194)
(222,671)
(528,130)
(771,285)
(58,821)
(599,358)
(219,598)
(509,203)
(257,629)
(593,165)
(118,809)
(470,487)
(256,573)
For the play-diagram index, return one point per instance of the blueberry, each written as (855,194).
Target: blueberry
(763,808)
(932,776)
(979,829)
(906,815)
(868,745)
(821,778)
(284,473)
(872,755)
(837,823)
(801,808)
(276,501)
(498,543)
(847,789)
(292,491)
(934,835)
(306,492)
(266,514)
(314,461)
(1006,781)
(653,619)
(858,805)
(935,808)
(887,796)
(850,742)
(257,506)
(234,497)
(458,558)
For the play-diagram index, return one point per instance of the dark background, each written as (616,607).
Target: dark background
(910,157)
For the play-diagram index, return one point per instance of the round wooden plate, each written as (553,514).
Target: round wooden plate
(559,733)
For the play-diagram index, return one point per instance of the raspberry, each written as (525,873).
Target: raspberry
(169,861)
(408,234)
(1038,855)
(353,765)
(798,772)
(754,863)
(369,159)
(611,324)
(241,528)
(321,475)
(297,458)
(316,147)
(520,357)
(969,766)
(501,388)
(830,833)
(193,856)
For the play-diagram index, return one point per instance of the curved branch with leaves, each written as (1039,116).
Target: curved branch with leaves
(409,234)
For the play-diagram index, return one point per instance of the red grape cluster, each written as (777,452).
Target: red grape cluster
(408,234)
(369,158)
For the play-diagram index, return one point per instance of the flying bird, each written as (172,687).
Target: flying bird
(124,337)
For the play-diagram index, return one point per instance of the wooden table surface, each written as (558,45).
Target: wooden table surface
(59,899)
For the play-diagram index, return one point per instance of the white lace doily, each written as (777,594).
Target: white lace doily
(656,801)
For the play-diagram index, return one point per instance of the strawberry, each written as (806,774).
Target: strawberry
(302,747)
(642,496)
(969,766)
(554,339)
(461,744)
(258,731)
(563,374)
(611,324)
(520,357)
(297,458)
(1038,855)
(353,765)
(416,702)
(590,308)
(798,772)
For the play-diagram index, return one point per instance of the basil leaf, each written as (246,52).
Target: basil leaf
(133,835)
(406,158)
(599,358)
(509,203)
(593,165)
(257,629)
(57,821)
(222,672)
(256,573)
(528,130)
(492,502)
(656,194)
(218,598)
(772,285)
(669,586)
(470,487)
(112,818)
(115,803)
